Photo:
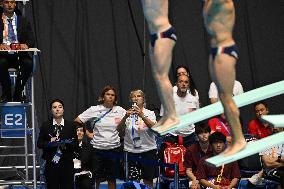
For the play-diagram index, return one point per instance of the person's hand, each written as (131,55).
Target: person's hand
(24,46)
(5,47)
(226,187)
(195,184)
(129,112)
(138,111)
(217,187)
(53,139)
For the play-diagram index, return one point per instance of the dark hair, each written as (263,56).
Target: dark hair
(105,89)
(260,102)
(56,100)
(217,136)
(80,126)
(184,67)
(202,127)
(192,86)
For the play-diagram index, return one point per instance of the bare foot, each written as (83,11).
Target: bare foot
(160,122)
(235,147)
(168,123)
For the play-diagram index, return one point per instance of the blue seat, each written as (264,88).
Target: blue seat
(266,184)
(251,164)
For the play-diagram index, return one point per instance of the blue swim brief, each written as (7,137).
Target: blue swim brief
(170,33)
(231,51)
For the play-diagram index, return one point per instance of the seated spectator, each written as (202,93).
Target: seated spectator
(184,103)
(213,92)
(139,140)
(16,29)
(197,151)
(220,124)
(273,164)
(226,176)
(82,161)
(257,127)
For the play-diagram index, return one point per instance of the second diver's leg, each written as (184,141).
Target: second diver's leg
(222,71)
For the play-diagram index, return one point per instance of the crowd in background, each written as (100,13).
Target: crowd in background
(106,131)
(88,150)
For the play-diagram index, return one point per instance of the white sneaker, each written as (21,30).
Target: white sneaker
(255,179)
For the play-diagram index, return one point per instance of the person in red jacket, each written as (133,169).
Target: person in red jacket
(256,126)
(220,124)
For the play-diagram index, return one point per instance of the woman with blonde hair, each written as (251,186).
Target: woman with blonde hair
(139,140)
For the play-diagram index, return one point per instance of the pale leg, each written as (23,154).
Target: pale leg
(156,14)
(222,71)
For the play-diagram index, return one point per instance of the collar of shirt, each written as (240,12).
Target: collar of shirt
(55,123)
(80,144)
(6,18)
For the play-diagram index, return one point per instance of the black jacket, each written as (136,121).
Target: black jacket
(68,132)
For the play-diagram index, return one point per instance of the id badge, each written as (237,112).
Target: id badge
(137,142)
(57,156)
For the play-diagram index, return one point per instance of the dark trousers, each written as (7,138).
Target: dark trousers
(59,176)
(21,61)
(83,182)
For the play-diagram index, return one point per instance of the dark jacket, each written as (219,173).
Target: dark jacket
(83,153)
(68,132)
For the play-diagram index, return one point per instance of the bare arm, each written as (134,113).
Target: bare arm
(233,183)
(209,184)
(271,162)
(121,126)
(190,174)
(213,100)
(139,112)
(147,121)
(195,182)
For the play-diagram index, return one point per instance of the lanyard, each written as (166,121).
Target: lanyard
(136,120)
(101,116)
(58,129)
(219,177)
(5,31)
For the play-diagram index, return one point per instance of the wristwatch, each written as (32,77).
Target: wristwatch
(278,159)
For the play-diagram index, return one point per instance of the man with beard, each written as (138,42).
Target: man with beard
(184,102)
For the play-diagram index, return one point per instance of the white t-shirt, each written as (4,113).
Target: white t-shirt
(183,106)
(237,89)
(105,133)
(147,137)
(274,151)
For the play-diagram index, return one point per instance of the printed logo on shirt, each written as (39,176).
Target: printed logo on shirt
(218,127)
(117,120)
